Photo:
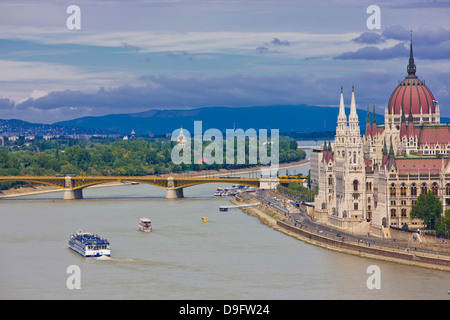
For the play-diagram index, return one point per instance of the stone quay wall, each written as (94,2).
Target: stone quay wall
(372,251)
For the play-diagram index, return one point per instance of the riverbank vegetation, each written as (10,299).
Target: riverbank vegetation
(112,157)
(429,209)
(299,191)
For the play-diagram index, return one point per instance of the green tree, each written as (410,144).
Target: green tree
(443,225)
(308,179)
(293,144)
(428,208)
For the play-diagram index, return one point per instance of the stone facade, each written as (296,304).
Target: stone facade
(369,182)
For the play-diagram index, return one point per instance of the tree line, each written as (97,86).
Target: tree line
(110,157)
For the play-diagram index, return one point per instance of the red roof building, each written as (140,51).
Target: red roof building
(370,183)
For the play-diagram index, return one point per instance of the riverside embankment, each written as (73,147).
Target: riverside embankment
(278,220)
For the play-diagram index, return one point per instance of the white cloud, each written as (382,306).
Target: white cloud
(25,79)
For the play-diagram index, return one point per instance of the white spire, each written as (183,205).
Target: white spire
(353,123)
(353,113)
(342,115)
(342,118)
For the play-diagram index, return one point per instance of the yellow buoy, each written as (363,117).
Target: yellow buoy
(204,219)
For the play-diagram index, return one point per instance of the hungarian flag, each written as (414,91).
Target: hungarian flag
(435,101)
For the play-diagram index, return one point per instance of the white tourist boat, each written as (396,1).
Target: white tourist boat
(145,225)
(232,191)
(89,245)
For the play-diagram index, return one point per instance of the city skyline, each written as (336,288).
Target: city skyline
(143,55)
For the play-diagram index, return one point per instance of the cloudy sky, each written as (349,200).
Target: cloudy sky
(132,56)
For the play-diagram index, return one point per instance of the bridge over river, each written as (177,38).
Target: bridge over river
(73,185)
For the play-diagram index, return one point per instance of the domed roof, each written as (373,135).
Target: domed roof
(411,96)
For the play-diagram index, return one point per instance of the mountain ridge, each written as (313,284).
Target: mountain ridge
(286,118)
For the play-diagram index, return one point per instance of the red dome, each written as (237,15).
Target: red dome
(411,96)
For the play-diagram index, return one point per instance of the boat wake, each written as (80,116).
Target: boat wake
(136,262)
(103,258)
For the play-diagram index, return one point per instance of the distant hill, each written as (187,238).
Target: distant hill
(17,127)
(288,119)
(300,118)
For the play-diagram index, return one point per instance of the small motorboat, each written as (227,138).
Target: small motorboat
(145,225)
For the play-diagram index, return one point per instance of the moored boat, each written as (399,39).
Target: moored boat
(145,225)
(233,190)
(218,192)
(89,245)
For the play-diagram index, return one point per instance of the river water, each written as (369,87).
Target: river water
(233,256)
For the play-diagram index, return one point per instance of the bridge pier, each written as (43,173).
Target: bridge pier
(70,194)
(172,193)
(268,183)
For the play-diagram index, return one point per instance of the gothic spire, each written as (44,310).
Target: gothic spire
(353,104)
(391,158)
(374,122)
(342,108)
(368,124)
(411,66)
(368,115)
(374,117)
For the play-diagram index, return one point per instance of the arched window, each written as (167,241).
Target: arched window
(435,188)
(330,180)
(447,189)
(392,190)
(403,212)
(414,189)
(355,206)
(424,188)
(355,185)
(393,213)
(403,190)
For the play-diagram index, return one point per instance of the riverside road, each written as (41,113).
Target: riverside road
(298,217)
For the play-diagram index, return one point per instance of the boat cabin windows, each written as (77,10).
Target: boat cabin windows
(98,247)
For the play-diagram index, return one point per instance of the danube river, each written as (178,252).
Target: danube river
(233,256)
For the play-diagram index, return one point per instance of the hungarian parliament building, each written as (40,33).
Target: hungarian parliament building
(369,183)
